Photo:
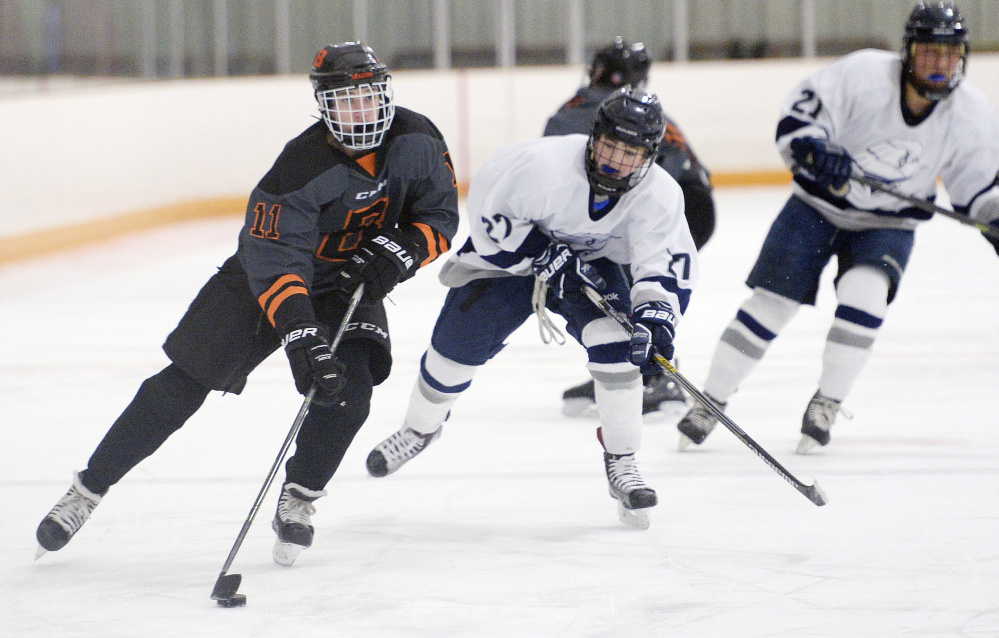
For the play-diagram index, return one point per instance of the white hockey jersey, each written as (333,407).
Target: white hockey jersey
(541,185)
(856,102)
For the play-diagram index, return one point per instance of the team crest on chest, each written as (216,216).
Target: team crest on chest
(587,242)
(892,160)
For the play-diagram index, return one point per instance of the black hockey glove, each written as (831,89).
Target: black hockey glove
(652,332)
(307,345)
(565,273)
(828,164)
(381,262)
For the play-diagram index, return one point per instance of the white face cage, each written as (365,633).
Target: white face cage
(620,163)
(358,116)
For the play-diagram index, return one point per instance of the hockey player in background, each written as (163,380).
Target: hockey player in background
(570,211)
(901,119)
(366,194)
(615,65)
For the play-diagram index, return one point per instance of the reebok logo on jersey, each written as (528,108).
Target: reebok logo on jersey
(395,249)
(297,334)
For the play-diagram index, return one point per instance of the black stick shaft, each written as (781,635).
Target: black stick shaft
(295,427)
(811,492)
(924,205)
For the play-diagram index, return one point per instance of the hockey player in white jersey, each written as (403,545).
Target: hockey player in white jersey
(904,120)
(570,211)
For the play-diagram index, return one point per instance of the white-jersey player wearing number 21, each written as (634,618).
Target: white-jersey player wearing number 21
(904,120)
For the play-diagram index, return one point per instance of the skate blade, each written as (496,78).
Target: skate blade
(579,408)
(285,553)
(41,551)
(635,519)
(684,442)
(806,444)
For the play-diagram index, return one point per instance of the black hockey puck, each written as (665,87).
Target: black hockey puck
(237,600)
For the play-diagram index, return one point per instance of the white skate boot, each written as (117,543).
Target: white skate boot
(66,518)
(293,522)
(395,451)
(628,487)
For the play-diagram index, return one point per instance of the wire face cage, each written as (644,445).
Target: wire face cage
(358,116)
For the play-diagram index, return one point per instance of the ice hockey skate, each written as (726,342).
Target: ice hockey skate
(697,424)
(293,522)
(817,421)
(658,391)
(628,487)
(66,518)
(395,451)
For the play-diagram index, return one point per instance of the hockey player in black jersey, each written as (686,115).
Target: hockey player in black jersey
(367,194)
(615,65)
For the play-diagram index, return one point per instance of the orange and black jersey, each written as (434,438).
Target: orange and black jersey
(316,205)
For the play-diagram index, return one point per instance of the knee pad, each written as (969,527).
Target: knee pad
(770,310)
(606,346)
(864,288)
(443,374)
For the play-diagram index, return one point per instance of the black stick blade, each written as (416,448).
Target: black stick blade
(814,493)
(226,586)
(239,600)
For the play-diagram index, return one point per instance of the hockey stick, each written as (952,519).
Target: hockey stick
(924,205)
(227,584)
(812,492)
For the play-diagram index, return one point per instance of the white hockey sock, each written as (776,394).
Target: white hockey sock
(440,383)
(617,389)
(863,301)
(619,400)
(746,340)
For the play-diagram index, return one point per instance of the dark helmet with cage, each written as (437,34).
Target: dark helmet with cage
(620,63)
(354,91)
(934,23)
(636,118)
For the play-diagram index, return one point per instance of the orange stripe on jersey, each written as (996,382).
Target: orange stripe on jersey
(367,163)
(436,244)
(278,285)
(287,292)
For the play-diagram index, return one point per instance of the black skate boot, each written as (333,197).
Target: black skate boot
(660,389)
(293,522)
(818,419)
(628,487)
(579,401)
(395,451)
(697,424)
(66,518)
(657,390)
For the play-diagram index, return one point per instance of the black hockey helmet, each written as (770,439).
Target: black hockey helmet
(632,116)
(937,22)
(345,76)
(620,63)
(345,64)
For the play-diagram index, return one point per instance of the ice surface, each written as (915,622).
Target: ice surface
(504,526)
